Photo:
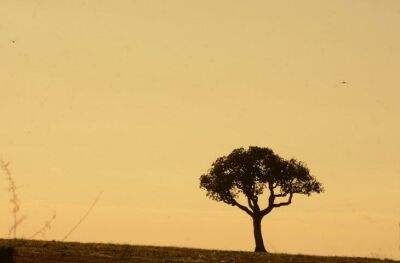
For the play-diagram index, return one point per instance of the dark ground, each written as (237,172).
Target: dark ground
(29,251)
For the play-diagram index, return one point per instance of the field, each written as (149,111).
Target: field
(28,251)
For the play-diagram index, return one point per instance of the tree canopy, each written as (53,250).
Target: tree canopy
(252,172)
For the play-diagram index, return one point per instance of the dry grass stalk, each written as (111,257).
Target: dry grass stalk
(46,227)
(16,224)
(83,217)
(12,188)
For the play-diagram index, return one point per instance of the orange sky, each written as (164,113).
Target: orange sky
(138,98)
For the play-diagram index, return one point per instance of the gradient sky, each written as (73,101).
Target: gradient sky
(138,98)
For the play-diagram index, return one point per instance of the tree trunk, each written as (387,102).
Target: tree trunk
(258,235)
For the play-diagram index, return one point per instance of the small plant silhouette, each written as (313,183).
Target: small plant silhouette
(16,205)
(14,200)
(17,220)
(84,216)
(45,228)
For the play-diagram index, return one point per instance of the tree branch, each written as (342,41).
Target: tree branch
(244,208)
(249,201)
(271,200)
(288,202)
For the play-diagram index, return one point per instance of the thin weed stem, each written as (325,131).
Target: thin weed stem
(46,227)
(83,217)
(12,188)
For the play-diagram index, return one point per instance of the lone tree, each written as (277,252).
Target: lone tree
(251,172)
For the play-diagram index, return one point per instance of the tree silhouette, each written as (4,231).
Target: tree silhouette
(245,174)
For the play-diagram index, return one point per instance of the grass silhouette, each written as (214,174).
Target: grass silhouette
(46,227)
(14,200)
(16,206)
(83,217)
